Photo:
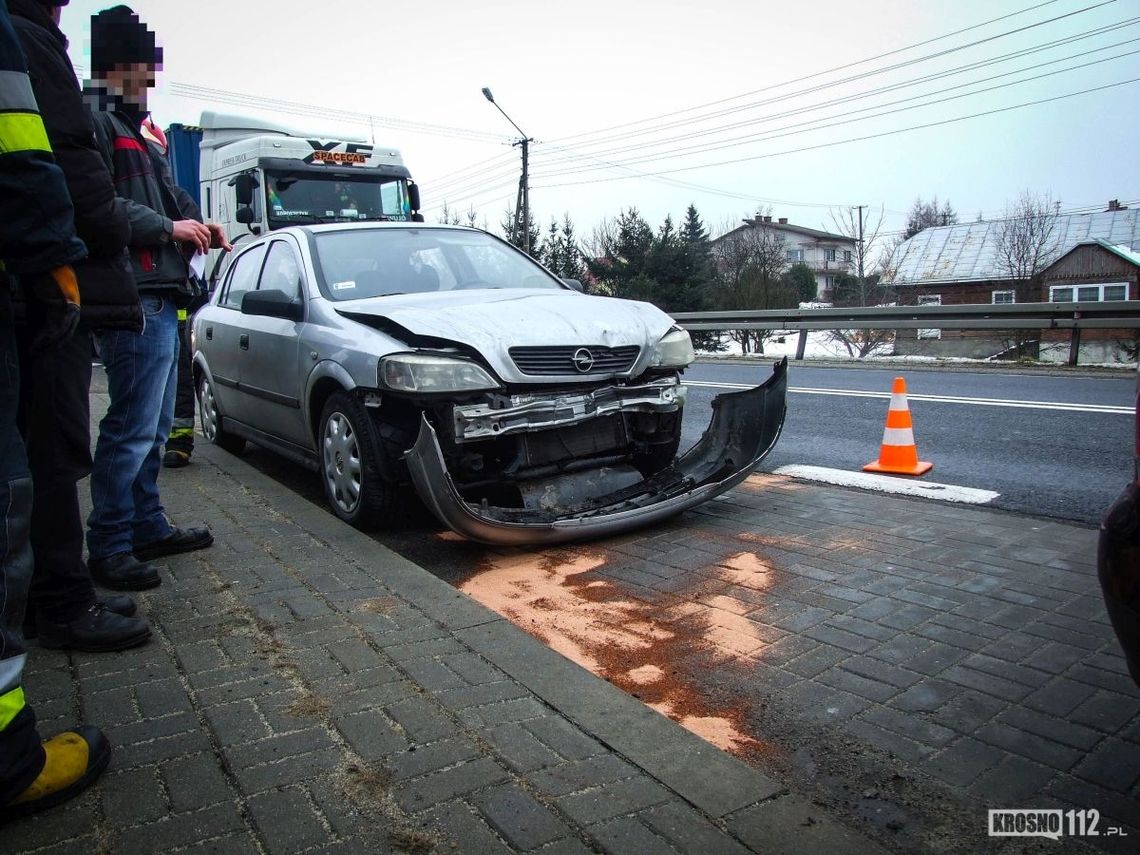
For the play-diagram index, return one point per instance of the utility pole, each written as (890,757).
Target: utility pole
(860,208)
(522,205)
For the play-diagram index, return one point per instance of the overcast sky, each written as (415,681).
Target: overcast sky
(618,95)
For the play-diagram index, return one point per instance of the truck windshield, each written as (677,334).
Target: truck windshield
(293,199)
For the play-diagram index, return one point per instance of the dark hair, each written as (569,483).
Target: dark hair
(118,37)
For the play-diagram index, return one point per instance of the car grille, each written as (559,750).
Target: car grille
(573,359)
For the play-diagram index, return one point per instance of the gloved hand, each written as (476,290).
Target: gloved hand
(62,316)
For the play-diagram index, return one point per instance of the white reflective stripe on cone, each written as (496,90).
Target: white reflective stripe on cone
(898,436)
(898,402)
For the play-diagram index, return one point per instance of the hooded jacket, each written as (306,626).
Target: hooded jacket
(106,287)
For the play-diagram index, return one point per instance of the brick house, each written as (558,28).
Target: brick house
(1092,256)
(827,254)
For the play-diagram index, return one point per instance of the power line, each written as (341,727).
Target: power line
(853,78)
(862,138)
(824,123)
(903,85)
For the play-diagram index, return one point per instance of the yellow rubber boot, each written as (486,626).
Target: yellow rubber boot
(74,760)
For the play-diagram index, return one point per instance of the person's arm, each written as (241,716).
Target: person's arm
(100,217)
(149,227)
(37,229)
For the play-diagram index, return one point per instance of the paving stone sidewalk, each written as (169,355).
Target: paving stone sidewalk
(308,690)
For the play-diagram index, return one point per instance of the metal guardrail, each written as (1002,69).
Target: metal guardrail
(1118,314)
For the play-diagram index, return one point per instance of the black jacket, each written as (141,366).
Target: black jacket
(142,180)
(107,289)
(36,229)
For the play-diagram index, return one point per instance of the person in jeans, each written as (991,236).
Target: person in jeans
(54,413)
(37,236)
(128,527)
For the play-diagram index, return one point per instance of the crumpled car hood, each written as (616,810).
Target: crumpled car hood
(492,321)
(744,428)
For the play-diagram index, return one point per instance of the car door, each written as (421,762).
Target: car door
(271,372)
(222,329)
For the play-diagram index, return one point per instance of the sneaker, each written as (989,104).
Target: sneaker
(176,459)
(123,572)
(178,541)
(97,630)
(73,761)
(120,604)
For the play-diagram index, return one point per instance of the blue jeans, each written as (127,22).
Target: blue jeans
(126,509)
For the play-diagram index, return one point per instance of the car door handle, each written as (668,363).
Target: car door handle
(243,341)
(209,333)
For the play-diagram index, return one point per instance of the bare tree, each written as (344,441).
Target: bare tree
(1027,239)
(749,265)
(447,216)
(866,285)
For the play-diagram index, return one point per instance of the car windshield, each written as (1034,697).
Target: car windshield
(291,199)
(379,262)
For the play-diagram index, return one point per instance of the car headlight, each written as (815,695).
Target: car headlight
(416,372)
(675,350)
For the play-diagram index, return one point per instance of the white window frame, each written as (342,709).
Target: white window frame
(847,256)
(1075,288)
(829,253)
(930,300)
(795,256)
(994,297)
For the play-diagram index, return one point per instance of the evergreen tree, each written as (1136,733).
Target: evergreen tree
(925,215)
(623,255)
(801,280)
(509,227)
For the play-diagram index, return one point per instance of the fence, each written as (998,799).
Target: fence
(1119,314)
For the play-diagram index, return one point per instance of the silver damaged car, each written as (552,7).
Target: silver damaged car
(522,411)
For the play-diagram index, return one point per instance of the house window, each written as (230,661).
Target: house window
(795,255)
(1088,293)
(847,255)
(829,255)
(1003,297)
(930,300)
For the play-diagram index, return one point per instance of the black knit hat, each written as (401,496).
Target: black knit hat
(118,37)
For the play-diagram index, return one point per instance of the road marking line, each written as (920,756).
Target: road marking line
(1109,409)
(887,484)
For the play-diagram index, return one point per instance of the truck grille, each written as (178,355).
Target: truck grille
(573,359)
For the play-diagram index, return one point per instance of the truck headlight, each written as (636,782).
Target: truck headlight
(416,372)
(675,350)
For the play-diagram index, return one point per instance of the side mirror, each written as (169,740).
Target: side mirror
(575,284)
(414,197)
(244,185)
(272,303)
(245,215)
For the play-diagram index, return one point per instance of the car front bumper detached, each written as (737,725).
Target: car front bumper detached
(744,428)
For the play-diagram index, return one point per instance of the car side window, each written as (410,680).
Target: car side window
(242,277)
(281,271)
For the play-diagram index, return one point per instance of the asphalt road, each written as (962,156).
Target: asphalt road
(1010,433)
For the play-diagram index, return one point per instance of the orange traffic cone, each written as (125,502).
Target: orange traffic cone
(898,454)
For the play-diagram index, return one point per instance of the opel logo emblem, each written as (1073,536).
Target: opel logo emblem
(583,360)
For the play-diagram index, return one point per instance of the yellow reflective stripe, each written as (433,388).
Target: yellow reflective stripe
(10,705)
(182,314)
(22,132)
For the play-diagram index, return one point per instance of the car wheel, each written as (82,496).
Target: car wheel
(211,419)
(352,469)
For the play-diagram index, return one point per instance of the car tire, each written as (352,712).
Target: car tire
(351,466)
(212,420)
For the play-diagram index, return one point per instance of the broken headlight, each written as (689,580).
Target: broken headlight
(674,350)
(416,372)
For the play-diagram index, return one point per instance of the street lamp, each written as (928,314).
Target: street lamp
(522,205)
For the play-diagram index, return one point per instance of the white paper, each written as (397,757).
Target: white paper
(198,265)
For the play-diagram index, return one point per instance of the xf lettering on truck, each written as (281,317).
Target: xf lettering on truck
(354,153)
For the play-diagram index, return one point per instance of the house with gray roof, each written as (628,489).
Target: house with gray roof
(1090,257)
(827,254)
